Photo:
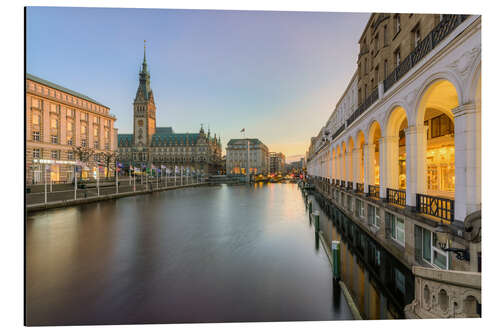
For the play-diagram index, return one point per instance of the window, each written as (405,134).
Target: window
(441,125)
(96,144)
(376,43)
(96,131)
(36,119)
(84,143)
(416,36)
(397,57)
(70,112)
(374,216)
(376,75)
(96,120)
(54,154)
(386,68)
(360,208)
(83,129)
(70,141)
(399,280)
(349,203)
(71,155)
(385,35)
(36,153)
(53,138)
(397,24)
(54,123)
(36,136)
(397,228)
(439,257)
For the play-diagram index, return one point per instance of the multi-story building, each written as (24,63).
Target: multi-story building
(151,145)
(276,163)
(243,154)
(58,120)
(410,154)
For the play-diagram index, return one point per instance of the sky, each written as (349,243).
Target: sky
(277,74)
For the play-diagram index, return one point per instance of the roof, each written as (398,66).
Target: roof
(243,141)
(163,137)
(61,88)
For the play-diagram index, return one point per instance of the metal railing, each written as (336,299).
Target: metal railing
(372,98)
(442,208)
(443,29)
(374,191)
(360,187)
(342,183)
(349,185)
(397,197)
(338,131)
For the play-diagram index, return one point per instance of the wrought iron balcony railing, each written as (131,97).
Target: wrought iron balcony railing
(360,187)
(397,197)
(442,208)
(443,29)
(374,191)
(342,183)
(372,98)
(349,185)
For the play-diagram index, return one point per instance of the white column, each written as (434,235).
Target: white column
(356,157)
(382,160)
(416,163)
(467,160)
(369,165)
(349,170)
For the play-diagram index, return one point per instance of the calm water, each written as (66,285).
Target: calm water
(379,284)
(213,254)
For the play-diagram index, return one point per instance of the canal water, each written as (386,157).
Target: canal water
(210,254)
(379,284)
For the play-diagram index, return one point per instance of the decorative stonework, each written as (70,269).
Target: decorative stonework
(445,294)
(462,66)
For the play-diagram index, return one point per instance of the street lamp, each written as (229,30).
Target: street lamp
(445,230)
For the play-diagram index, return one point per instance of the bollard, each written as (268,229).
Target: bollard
(336,260)
(316,220)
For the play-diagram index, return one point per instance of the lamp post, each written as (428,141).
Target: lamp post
(445,230)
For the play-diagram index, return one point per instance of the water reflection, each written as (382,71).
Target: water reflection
(214,254)
(380,285)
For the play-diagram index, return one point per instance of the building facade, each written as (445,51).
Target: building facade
(58,120)
(276,163)
(406,163)
(243,154)
(152,145)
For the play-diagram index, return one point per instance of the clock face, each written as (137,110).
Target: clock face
(140,122)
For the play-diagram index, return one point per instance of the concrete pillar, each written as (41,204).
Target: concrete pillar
(416,163)
(467,160)
(369,165)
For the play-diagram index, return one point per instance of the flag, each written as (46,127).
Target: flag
(242,130)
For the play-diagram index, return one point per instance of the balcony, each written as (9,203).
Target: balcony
(360,187)
(372,98)
(442,208)
(342,183)
(374,191)
(443,29)
(396,197)
(349,185)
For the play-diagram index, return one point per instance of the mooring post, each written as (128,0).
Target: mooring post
(316,220)
(336,260)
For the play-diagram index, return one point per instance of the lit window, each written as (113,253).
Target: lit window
(71,155)
(54,154)
(36,136)
(36,153)
(53,138)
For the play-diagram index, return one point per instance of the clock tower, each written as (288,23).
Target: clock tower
(144,108)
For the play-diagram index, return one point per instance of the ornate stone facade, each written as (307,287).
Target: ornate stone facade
(151,145)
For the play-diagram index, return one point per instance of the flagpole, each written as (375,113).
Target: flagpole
(116,177)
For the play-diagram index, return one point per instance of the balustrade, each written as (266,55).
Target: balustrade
(442,208)
(397,197)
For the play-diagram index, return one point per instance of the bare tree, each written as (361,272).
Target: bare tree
(109,160)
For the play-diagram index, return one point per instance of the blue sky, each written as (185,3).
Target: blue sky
(276,74)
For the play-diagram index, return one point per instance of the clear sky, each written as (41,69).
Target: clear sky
(279,75)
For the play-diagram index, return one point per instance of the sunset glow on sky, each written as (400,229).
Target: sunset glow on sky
(279,75)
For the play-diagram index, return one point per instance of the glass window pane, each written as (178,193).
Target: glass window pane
(427,245)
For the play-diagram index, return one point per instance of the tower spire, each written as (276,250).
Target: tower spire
(144,61)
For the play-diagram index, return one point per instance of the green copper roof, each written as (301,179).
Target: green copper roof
(243,141)
(61,88)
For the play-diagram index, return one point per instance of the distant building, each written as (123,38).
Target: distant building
(57,121)
(161,145)
(241,152)
(276,163)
